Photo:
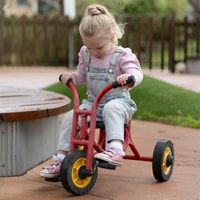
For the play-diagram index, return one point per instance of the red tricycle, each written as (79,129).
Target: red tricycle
(79,169)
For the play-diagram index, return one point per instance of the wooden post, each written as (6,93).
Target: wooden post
(138,32)
(172,44)
(198,36)
(150,41)
(162,43)
(185,38)
(23,41)
(1,39)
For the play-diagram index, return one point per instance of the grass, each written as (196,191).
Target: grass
(156,101)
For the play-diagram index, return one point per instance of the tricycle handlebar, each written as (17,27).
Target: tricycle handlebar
(115,84)
(68,82)
(131,79)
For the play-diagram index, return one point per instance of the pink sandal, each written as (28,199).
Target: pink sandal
(53,170)
(111,156)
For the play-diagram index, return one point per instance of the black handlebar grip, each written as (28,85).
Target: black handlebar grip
(60,78)
(67,83)
(131,79)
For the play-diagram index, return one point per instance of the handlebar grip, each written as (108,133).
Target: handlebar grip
(68,82)
(131,79)
(60,78)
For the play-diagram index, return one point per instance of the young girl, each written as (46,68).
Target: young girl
(101,61)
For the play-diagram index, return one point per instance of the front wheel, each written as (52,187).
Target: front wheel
(74,176)
(163,160)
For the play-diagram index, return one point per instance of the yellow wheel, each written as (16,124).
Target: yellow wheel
(74,176)
(163,160)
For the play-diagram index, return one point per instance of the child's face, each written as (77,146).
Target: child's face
(98,47)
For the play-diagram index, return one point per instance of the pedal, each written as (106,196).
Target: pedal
(106,165)
(56,179)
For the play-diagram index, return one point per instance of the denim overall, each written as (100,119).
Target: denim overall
(115,108)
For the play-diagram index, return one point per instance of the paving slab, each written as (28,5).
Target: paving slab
(134,180)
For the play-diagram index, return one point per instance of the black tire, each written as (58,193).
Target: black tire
(74,176)
(163,160)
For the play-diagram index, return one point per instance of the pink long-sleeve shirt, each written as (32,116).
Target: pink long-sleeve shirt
(127,64)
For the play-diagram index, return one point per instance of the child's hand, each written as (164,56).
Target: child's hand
(122,78)
(65,77)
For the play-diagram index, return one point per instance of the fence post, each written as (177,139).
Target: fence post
(34,47)
(172,44)
(23,41)
(138,35)
(150,41)
(46,49)
(13,56)
(71,45)
(1,39)
(185,38)
(198,36)
(163,23)
(55,42)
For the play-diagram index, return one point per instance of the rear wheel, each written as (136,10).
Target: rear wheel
(163,160)
(74,176)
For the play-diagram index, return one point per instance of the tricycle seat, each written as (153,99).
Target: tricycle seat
(101,125)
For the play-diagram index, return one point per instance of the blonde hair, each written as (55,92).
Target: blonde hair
(98,21)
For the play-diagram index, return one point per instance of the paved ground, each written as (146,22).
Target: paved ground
(38,77)
(134,180)
(187,81)
(29,77)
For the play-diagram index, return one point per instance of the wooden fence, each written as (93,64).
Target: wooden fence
(158,42)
